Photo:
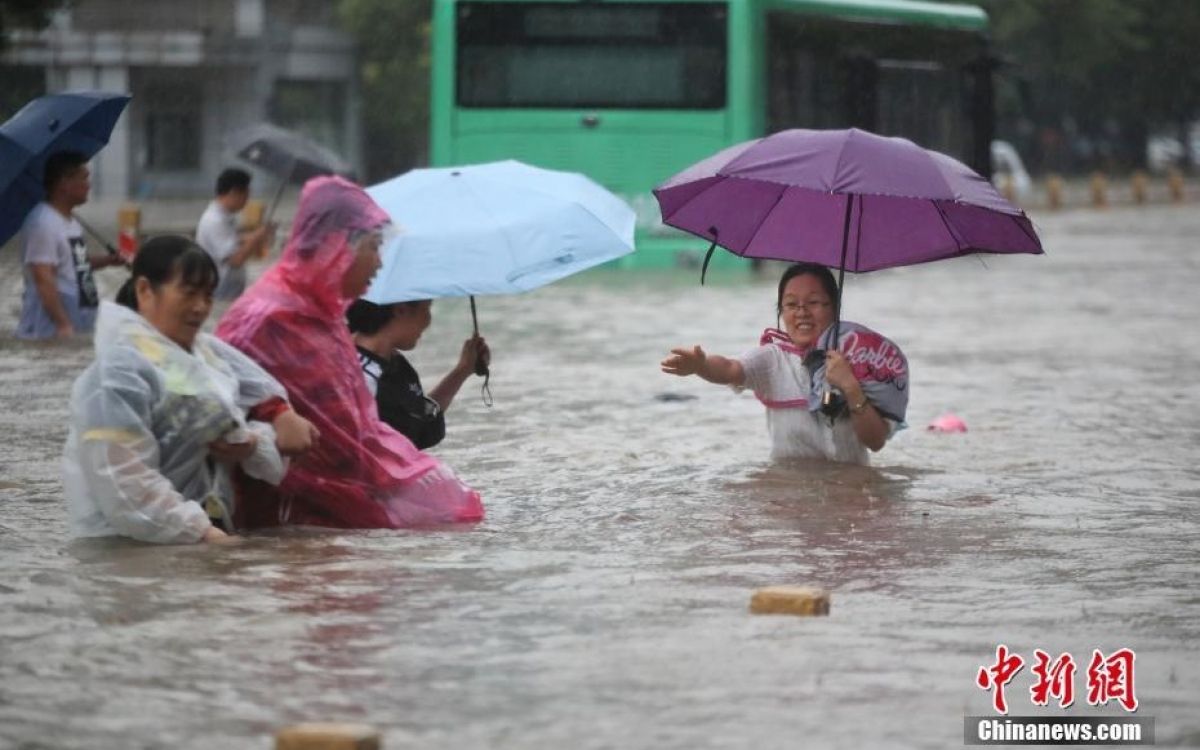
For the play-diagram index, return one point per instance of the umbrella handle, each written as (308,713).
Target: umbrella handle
(481,367)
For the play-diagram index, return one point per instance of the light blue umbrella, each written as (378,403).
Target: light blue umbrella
(494,228)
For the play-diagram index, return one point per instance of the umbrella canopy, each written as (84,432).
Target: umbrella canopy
(845,199)
(286,154)
(75,121)
(494,228)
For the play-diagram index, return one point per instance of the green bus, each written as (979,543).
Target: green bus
(630,92)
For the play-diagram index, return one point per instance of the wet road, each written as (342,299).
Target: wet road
(603,602)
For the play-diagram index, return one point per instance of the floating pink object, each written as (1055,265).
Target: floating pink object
(947,423)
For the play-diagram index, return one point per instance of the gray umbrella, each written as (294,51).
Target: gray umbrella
(288,155)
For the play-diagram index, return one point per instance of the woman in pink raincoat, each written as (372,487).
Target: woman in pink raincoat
(362,473)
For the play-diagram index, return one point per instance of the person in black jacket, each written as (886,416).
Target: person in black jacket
(381,332)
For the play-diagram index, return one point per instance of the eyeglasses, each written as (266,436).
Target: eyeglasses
(811,306)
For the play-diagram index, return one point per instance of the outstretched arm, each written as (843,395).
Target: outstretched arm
(714,368)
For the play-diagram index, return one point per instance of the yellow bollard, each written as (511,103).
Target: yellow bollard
(1054,192)
(1099,190)
(1139,183)
(323,736)
(790,600)
(129,228)
(1175,185)
(1008,189)
(252,218)
(252,214)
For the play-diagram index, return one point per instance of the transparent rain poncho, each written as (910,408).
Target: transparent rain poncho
(142,415)
(361,473)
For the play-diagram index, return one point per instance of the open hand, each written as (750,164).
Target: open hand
(683,362)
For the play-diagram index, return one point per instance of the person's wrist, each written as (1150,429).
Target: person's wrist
(858,404)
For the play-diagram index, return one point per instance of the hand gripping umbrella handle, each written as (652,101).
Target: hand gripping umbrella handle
(481,367)
(96,235)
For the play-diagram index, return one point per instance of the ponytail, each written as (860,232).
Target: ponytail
(127,295)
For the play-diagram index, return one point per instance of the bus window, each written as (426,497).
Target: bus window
(917,82)
(586,55)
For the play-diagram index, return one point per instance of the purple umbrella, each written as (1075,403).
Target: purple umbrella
(845,199)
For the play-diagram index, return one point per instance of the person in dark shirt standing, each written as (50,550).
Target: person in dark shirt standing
(381,333)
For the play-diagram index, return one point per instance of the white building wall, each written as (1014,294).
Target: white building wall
(110,168)
(237,49)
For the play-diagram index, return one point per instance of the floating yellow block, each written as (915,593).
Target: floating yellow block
(319,736)
(790,600)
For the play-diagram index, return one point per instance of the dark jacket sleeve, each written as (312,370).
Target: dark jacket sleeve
(404,406)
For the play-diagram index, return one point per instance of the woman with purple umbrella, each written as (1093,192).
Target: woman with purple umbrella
(844,199)
(790,369)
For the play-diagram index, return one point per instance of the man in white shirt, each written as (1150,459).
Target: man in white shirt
(60,296)
(217,232)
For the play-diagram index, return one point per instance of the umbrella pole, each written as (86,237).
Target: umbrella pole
(481,367)
(283,181)
(828,396)
(837,318)
(275,200)
(96,235)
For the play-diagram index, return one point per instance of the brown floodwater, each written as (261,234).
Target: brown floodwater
(603,603)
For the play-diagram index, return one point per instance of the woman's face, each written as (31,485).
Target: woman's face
(357,278)
(410,322)
(806,310)
(176,309)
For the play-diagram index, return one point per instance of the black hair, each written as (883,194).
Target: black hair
(823,275)
(232,179)
(367,317)
(165,258)
(60,165)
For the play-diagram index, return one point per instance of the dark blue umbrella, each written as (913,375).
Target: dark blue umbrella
(77,121)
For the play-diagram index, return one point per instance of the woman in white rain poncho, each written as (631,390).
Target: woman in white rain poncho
(159,420)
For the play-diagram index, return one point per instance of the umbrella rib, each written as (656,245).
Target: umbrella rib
(958,241)
(512,256)
(719,181)
(837,167)
(758,228)
(1032,237)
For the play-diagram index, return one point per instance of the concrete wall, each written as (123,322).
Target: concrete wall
(234,52)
